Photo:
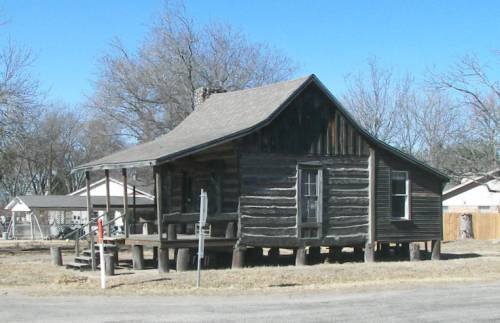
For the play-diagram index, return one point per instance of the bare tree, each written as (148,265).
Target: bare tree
(19,100)
(148,93)
(419,120)
(476,90)
(439,124)
(374,100)
(19,92)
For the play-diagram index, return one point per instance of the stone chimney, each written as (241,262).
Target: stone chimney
(202,93)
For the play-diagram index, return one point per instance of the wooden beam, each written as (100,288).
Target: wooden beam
(108,202)
(436,250)
(159,204)
(134,196)
(300,257)
(414,249)
(89,218)
(360,144)
(336,134)
(163,261)
(125,202)
(138,257)
(178,217)
(344,136)
(369,252)
(371,194)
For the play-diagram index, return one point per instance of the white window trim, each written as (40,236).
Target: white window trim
(407,195)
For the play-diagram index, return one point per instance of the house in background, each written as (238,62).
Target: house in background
(44,216)
(98,188)
(481,195)
(284,166)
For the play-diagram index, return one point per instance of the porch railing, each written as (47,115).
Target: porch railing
(76,233)
(226,224)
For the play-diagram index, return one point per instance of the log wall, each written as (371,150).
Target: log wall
(200,169)
(268,203)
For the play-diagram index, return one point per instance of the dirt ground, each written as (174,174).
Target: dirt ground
(27,270)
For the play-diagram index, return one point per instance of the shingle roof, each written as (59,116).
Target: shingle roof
(222,115)
(470,184)
(75,202)
(227,116)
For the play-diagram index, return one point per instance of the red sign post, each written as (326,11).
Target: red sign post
(100,231)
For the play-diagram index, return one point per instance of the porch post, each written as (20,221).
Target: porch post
(108,203)
(159,204)
(89,218)
(369,245)
(134,206)
(163,265)
(13,225)
(125,202)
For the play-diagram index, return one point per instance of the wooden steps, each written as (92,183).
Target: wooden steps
(84,262)
(78,266)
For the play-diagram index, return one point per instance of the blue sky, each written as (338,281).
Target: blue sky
(328,38)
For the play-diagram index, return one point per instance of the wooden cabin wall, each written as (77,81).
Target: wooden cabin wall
(311,129)
(425,203)
(269,200)
(199,167)
(347,200)
(268,203)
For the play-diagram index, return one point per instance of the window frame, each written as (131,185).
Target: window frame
(407,195)
(318,225)
(484,208)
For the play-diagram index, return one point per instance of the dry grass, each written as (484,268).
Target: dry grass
(31,272)
(29,245)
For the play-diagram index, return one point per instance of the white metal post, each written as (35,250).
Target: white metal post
(102,265)
(201,233)
(100,237)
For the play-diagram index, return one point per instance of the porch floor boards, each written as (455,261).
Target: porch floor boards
(183,241)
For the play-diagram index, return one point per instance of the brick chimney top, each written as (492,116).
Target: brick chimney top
(202,93)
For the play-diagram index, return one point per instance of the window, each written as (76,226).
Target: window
(309,192)
(214,193)
(310,203)
(484,208)
(187,193)
(445,208)
(399,195)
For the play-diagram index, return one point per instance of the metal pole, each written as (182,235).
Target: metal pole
(201,237)
(77,243)
(100,236)
(198,271)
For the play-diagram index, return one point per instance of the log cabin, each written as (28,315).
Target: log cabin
(284,166)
